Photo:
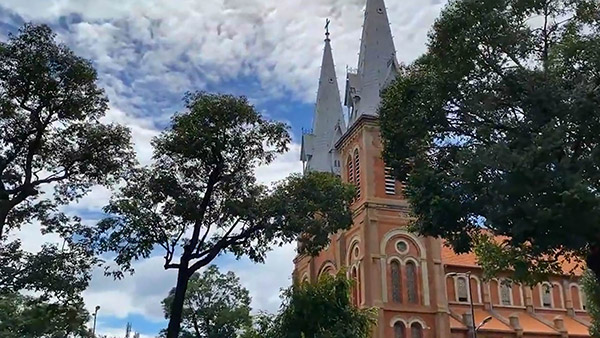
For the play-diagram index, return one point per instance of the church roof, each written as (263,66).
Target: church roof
(449,257)
(377,58)
(328,123)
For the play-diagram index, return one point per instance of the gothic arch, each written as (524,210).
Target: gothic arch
(557,286)
(355,241)
(400,232)
(327,266)
(421,264)
(578,296)
(397,319)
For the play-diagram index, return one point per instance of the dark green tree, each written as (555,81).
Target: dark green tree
(496,130)
(200,198)
(26,317)
(322,310)
(215,306)
(53,149)
(591,288)
(50,111)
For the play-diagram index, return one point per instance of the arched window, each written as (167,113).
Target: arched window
(505,293)
(399,330)
(411,282)
(357,172)
(396,282)
(416,330)
(462,290)
(355,287)
(546,295)
(350,169)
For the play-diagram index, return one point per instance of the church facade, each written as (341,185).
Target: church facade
(421,288)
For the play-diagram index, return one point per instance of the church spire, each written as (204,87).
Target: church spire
(376,62)
(318,151)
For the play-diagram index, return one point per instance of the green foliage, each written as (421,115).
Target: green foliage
(322,310)
(27,317)
(591,288)
(215,305)
(50,111)
(497,127)
(200,198)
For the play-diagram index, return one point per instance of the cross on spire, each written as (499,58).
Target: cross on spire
(327,22)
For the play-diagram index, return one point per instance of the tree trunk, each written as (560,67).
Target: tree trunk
(3,216)
(177,306)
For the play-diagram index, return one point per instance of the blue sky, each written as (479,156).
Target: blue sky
(148,53)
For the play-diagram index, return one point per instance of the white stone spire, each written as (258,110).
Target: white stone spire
(318,153)
(377,63)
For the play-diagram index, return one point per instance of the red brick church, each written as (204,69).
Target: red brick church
(421,287)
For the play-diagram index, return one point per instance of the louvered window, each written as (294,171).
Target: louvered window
(390,182)
(357,172)
(350,170)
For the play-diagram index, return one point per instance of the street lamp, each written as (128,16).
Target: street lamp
(95,317)
(483,322)
(468,274)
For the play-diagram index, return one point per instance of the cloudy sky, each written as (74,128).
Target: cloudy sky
(149,52)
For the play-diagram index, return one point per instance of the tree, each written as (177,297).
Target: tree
(50,111)
(591,288)
(26,317)
(496,131)
(215,305)
(200,198)
(322,310)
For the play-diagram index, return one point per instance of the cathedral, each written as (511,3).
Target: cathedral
(421,288)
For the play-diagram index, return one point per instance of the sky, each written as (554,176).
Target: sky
(148,53)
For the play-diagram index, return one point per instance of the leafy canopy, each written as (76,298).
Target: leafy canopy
(591,288)
(50,111)
(322,310)
(215,306)
(497,127)
(200,198)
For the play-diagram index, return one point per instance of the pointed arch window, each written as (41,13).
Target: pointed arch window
(399,330)
(505,293)
(546,295)
(355,287)
(396,282)
(462,291)
(350,168)
(390,182)
(357,171)
(416,330)
(411,282)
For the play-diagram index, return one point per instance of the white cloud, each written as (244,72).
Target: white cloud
(189,43)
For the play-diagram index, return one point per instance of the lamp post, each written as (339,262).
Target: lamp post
(475,329)
(95,317)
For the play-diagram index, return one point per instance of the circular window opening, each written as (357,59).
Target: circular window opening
(402,247)
(331,80)
(355,252)
(380,10)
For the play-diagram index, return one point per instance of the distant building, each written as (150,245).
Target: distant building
(418,284)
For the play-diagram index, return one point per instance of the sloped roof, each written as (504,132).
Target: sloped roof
(449,257)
